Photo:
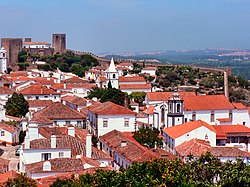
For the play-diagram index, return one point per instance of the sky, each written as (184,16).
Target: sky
(116,26)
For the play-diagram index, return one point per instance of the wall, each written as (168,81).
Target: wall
(53,98)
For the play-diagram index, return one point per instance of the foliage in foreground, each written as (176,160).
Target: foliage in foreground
(205,171)
(20,181)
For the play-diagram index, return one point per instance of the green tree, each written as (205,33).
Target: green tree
(22,56)
(23,66)
(16,105)
(20,181)
(138,97)
(77,69)
(148,137)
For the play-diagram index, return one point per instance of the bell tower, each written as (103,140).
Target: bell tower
(3,60)
(175,110)
(112,75)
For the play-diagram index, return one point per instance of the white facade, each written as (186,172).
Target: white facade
(102,124)
(36,45)
(111,75)
(201,133)
(3,60)
(129,91)
(53,98)
(8,137)
(151,72)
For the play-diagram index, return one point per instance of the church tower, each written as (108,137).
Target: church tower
(3,60)
(175,110)
(112,75)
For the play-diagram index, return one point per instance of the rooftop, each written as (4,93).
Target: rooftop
(132,79)
(39,103)
(37,89)
(75,80)
(6,90)
(135,86)
(7,127)
(223,130)
(165,96)
(179,130)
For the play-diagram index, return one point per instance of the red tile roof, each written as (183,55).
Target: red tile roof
(224,119)
(83,85)
(60,86)
(46,81)
(18,73)
(149,68)
(132,79)
(223,130)
(109,108)
(149,110)
(6,90)
(35,43)
(37,89)
(102,79)
(58,110)
(57,165)
(39,103)
(8,175)
(179,130)
(7,127)
(75,80)
(46,132)
(164,96)
(239,106)
(194,147)
(207,102)
(228,152)
(125,64)
(135,86)
(75,100)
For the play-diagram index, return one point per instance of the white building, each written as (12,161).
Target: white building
(176,135)
(9,134)
(3,60)
(36,45)
(105,117)
(111,75)
(149,70)
(5,94)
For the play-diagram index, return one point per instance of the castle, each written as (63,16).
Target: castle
(14,45)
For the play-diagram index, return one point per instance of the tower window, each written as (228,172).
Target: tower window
(212,116)
(194,116)
(178,108)
(113,76)
(231,115)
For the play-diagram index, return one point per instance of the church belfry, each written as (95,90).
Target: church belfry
(112,75)
(3,60)
(175,110)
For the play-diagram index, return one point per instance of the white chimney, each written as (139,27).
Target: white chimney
(89,145)
(27,142)
(53,141)
(47,166)
(71,131)
(123,143)
(64,85)
(33,130)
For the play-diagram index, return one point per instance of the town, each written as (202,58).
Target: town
(60,121)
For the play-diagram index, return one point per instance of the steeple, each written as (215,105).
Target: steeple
(112,67)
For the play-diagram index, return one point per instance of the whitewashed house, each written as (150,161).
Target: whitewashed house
(5,94)
(176,135)
(105,117)
(9,134)
(149,70)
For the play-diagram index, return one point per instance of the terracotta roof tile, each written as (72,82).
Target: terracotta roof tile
(149,110)
(109,108)
(61,86)
(7,127)
(39,103)
(83,85)
(37,89)
(6,90)
(3,166)
(132,79)
(179,130)
(125,64)
(75,80)
(48,131)
(57,165)
(224,119)
(18,73)
(150,68)
(135,86)
(75,100)
(239,106)
(194,147)
(58,110)
(228,152)
(223,130)
(207,102)
(164,96)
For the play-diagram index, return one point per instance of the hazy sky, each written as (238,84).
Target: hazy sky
(130,25)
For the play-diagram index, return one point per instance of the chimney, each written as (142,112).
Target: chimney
(53,141)
(64,86)
(33,130)
(27,142)
(123,143)
(226,84)
(71,131)
(89,146)
(47,166)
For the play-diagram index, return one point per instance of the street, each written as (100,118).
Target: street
(8,153)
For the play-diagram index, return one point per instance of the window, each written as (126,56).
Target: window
(2,133)
(230,115)
(45,96)
(46,156)
(61,154)
(186,120)
(37,97)
(234,139)
(67,122)
(79,123)
(162,115)
(244,123)
(178,108)
(113,76)
(212,116)
(105,122)
(194,116)
(126,122)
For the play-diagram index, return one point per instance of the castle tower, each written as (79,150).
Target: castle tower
(175,110)
(13,46)
(112,75)
(59,43)
(3,60)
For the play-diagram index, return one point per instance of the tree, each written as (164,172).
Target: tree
(22,56)
(114,95)
(138,97)
(23,66)
(20,181)
(148,136)
(16,105)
